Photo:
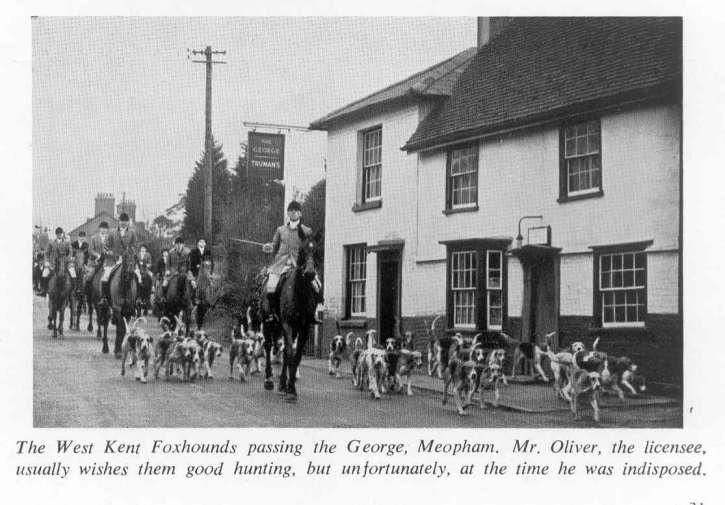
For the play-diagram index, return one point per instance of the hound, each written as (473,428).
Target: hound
(406,363)
(532,353)
(371,369)
(355,359)
(338,350)
(241,353)
(140,345)
(437,347)
(585,383)
(488,378)
(183,357)
(462,374)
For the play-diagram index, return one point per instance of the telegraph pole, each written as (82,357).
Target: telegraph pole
(208,158)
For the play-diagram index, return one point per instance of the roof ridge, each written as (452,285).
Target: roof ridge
(397,83)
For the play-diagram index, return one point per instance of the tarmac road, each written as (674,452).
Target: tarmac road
(75,385)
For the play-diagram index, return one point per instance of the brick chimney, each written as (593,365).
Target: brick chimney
(490,27)
(104,203)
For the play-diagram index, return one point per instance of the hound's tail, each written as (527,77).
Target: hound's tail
(347,339)
(594,345)
(359,344)
(370,338)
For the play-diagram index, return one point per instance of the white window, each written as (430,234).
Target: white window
(582,158)
(372,164)
(463,285)
(463,183)
(623,288)
(357,276)
(494,294)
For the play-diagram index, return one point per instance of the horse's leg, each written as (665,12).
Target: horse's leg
(90,316)
(61,318)
(268,340)
(296,359)
(120,333)
(102,315)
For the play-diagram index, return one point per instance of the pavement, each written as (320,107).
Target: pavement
(521,395)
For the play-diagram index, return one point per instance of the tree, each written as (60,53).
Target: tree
(193,226)
(313,215)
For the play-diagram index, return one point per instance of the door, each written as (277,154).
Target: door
(388,293)
(540,311)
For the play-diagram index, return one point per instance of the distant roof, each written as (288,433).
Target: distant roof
(436,81)
(547,68)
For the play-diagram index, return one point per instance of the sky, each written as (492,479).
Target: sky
(117,105)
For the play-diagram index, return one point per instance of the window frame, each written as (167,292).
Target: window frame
(482,310)
(365,182)
(349,250)
(634,249)
(564,192)
(472,205)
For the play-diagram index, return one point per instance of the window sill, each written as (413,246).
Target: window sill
(619,329)
(360,207)
(586,196)
(458,210)
(353,323)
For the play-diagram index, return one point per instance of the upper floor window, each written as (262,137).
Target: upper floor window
(462,181)
(622,286)
(356,280)
(372,164)
(581,160)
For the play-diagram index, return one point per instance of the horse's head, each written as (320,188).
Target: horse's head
(306,258)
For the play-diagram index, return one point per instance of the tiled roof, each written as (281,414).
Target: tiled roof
(545,68)
(435,81)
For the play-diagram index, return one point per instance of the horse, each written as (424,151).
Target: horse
(143,298)
(77,298)
(297,304)
(59,290)
(95,295)
(178,300)
(207,293)
(123,287)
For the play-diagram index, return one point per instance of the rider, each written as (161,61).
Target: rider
(144,260)
(98,248)
(162,267)
(286,247)
(122,244)
(178,263)
(82,245)
(196,258)
(59,250)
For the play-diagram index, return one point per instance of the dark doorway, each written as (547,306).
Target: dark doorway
(540,311)
(388,292)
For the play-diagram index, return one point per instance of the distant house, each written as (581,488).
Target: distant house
(539,192)
(104,211)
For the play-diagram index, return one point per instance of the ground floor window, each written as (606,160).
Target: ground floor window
(476,284)
(356,258)
(620,285)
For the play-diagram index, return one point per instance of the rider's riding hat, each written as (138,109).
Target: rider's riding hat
(82,234)
(179,240)
(103,224)
(123,217)
(294,205)
(58,230)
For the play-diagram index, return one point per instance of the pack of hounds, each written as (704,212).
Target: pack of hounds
(461,361)
(467,368)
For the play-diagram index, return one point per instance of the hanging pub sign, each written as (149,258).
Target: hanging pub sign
(265,156)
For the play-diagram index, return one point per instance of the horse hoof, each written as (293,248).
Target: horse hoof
(290,398)
(268,385)
(50,326)
(138,378)
(117,355)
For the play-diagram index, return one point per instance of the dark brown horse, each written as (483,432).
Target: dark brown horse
(59,290)
(208,285)
(143,295)
(297,304)
(178,300)
(77,297)
(123,289)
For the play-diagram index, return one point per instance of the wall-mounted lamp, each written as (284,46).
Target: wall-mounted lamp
(519,237)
